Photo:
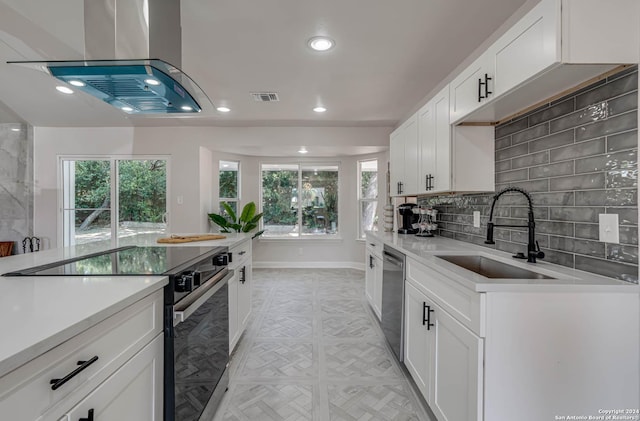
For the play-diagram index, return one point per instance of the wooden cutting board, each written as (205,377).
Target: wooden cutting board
(176,239)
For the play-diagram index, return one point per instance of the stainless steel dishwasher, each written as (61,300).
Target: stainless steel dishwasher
(393,299)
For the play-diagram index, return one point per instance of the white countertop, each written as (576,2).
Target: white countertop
(39,313)
(426,249)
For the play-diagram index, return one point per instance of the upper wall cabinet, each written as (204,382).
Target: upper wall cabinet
(403,157)
(429,156)
(529,63)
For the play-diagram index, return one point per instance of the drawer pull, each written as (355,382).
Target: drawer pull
(243,274)
(426,316)
(89,416)
(56,383)
(242,253)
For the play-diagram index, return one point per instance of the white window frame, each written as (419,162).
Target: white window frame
(361,200)
(300,236)
(235,200)
(114,177)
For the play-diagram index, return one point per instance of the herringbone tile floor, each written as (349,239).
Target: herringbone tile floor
(314,351)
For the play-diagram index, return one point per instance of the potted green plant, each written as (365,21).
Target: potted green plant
(246,222)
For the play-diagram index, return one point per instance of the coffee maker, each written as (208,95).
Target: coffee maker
(408,218)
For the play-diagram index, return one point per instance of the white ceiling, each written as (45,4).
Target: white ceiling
(388,56)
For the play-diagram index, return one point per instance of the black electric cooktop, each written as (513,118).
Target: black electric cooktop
(124,261)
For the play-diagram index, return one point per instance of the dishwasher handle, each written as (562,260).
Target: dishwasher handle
(390,258)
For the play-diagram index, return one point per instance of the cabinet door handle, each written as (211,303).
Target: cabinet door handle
(371,261)
(243,274)
(400,185)
(487,92)
(242,253)
(426,316)
(56,383)
(89,416)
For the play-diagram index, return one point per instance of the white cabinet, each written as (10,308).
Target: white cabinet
(239,291)
(554,47)
(444,358)
(373,275)
(472,87)
(456,389)
(453,159)
(27,393)
(527,355)
(418,341)
(244,294)
(134,392)
(234,325)
(403,156)
(528,47)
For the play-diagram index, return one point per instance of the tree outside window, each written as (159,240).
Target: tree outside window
(229,184)
(300,200)
(108,198)
(367,196)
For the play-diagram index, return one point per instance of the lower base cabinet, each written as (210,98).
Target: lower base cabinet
(527,355)
(373,276)
(240,290)
(444,358)
(113,371)
(134,392)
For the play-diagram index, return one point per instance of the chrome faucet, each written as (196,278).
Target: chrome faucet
(533,248)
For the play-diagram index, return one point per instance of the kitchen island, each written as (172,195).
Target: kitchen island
(48,319)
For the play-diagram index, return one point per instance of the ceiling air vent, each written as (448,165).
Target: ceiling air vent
(265,96)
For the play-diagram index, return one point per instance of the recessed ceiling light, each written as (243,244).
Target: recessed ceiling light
(64,90)
(320,109)
(223,109)
(151,82)
(127,109)
(321,43)
(186,108)
(77,83)
(15,129)
(303,150)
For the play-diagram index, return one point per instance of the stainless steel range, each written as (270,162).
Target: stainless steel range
(196,316)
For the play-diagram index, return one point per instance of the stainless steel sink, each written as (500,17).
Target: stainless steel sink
(492,268)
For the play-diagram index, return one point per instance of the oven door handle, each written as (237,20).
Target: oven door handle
(193,301)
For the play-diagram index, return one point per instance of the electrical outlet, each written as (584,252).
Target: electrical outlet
(476,219)
(609,231)
(180,200)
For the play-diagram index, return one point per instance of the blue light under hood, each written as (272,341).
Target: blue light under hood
(123,86)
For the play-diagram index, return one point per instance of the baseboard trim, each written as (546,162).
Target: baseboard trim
(308,265)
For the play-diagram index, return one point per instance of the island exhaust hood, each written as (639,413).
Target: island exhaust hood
(132,59)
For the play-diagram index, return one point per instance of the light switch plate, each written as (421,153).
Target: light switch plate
(609,231)
(476,219)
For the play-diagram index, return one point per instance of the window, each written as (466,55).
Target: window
(105,199)
(300,200)
(367,196)
(229,184)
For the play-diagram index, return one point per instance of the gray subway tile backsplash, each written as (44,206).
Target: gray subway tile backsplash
(555,140)
(577,156)
(555,111)
(615,124)
(578,182)
(577,150)
(553,170)
(529,160)
(622,141)
(530,134)
(614,88)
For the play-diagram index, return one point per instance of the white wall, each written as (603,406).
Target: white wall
(193,154)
